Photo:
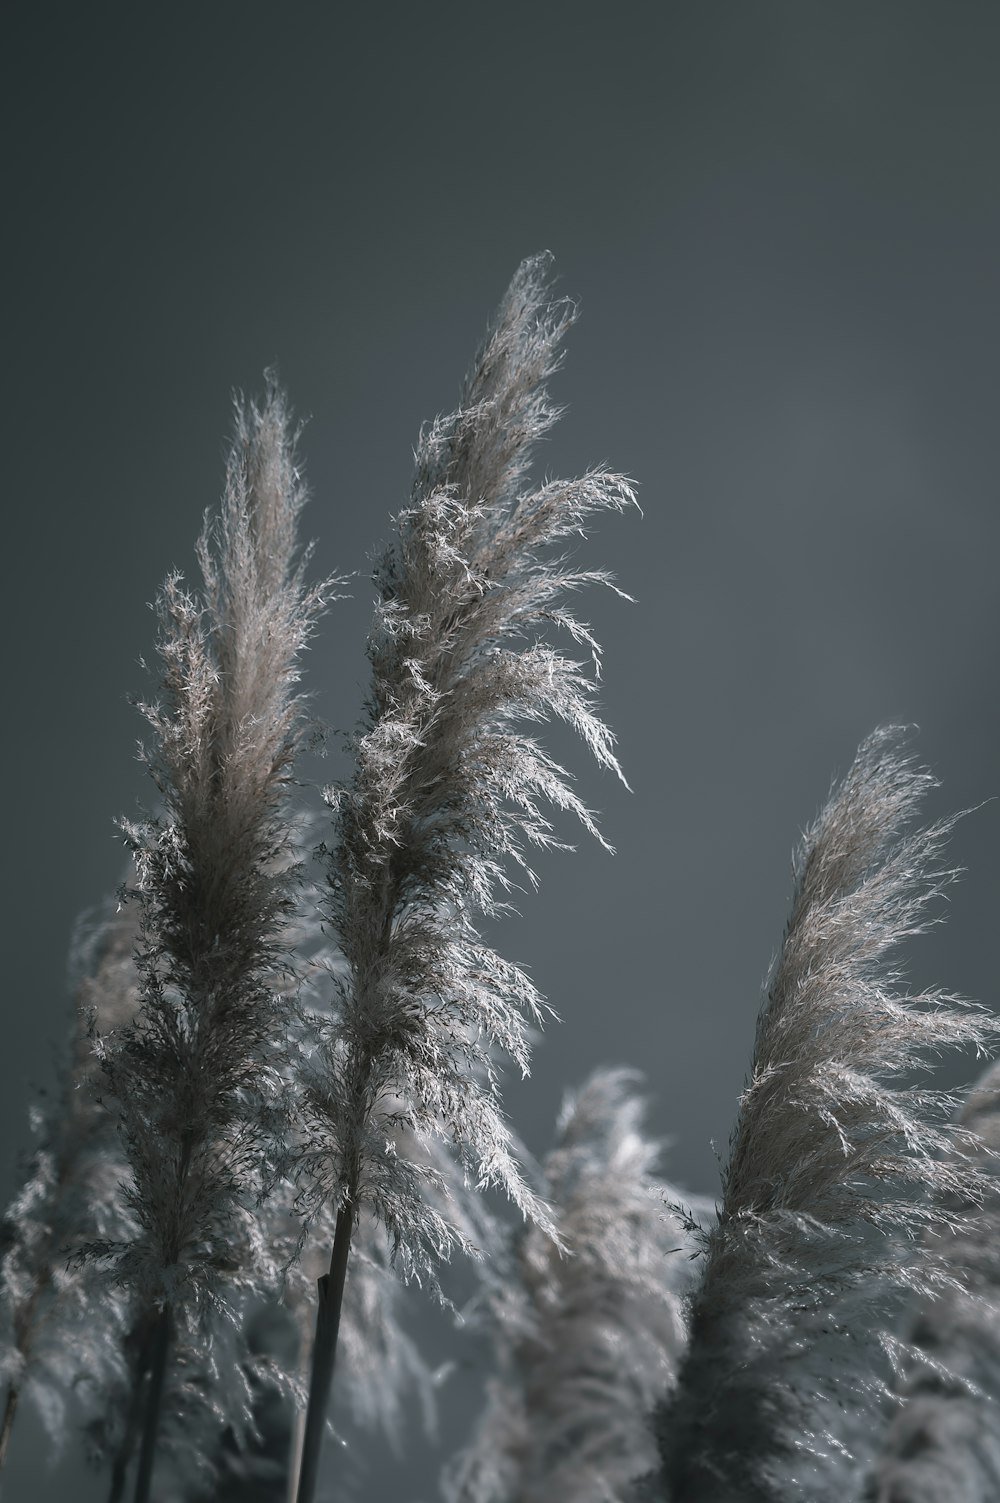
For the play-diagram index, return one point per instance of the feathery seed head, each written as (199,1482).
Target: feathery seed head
(197,1077)
(836,1164)
(588,1339)
(448,787)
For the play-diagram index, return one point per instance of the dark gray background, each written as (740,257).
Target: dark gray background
(783,223)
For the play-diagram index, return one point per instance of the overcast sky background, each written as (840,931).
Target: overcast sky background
(782,222)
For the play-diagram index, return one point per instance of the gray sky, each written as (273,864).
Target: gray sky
(782,222)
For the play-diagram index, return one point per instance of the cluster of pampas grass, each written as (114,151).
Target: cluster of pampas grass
(279,1070)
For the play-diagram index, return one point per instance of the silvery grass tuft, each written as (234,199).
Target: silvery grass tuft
(945,1441)
(588,1340)
(448,787)
(60,1326)
(836,1164)
(196,1078)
